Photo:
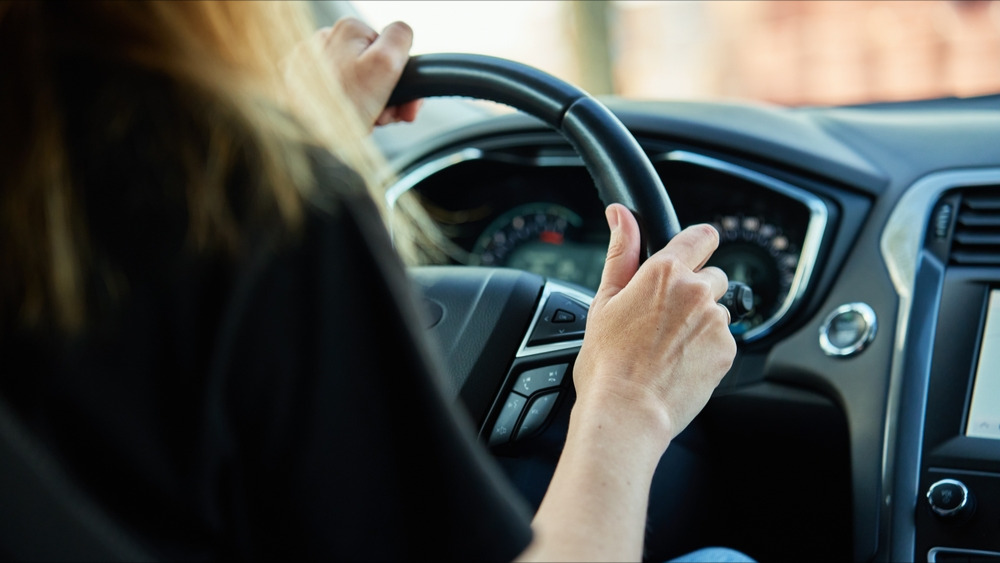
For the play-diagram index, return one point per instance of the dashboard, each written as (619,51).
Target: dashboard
(540,214)
(860,396)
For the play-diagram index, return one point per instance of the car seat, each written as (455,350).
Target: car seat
(44,515)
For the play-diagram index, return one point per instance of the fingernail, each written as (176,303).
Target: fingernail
(612,214)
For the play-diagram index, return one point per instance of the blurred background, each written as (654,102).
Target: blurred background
(778,51)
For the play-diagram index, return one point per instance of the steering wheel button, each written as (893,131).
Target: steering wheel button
(503,429)
(540,378)
(563,317)
(538,413)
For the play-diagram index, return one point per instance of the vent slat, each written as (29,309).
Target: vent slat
(983,202)
(972,238)
(970,219)
(976,239)
(975,258)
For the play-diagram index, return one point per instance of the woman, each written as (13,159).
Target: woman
(203,314)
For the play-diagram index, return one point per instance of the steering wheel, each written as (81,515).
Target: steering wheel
(509,336)
(620,169)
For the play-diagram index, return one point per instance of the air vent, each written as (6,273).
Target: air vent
(976,240)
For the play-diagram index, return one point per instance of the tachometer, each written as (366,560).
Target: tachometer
(757,253)
(541,238)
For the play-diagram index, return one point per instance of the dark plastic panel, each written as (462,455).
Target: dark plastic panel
(485,314)
(947,452)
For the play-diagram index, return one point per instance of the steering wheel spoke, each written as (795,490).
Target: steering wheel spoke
(541,375)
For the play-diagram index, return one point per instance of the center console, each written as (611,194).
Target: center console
(957,516)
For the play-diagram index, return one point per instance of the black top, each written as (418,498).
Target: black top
(283,404)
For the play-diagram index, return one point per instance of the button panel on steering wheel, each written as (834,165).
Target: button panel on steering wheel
(562,319)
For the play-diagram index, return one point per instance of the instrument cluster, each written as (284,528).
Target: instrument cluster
(543,215)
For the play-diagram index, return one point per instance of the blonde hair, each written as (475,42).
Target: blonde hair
(253,61)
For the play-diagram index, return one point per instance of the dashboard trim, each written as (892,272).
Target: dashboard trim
(811,243)
(408,181)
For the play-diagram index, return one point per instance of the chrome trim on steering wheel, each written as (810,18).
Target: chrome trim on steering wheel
(552,286)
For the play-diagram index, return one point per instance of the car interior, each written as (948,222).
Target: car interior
(861,419)
(861,397)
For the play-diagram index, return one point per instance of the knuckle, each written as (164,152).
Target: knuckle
(348,23)
(705,291)
(385,60)
(668,264)
(696,289)
(722,275)
(714,271)
(715,277)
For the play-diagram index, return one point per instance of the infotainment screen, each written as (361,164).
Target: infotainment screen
(984,412)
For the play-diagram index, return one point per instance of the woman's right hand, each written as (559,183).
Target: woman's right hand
(657,344)
(656,339)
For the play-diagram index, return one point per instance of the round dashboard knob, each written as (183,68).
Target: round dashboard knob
(950,498)
(849,329)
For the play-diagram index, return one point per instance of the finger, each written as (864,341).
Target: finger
(725,313)
(693,246)
(352,33)
(403,112)
(399,34)
(408,111)
(323,34)
(623,252)
(390,50)
(717,279)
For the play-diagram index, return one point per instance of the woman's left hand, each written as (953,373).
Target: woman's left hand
(369,65)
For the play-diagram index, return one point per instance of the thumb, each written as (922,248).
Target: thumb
(623,252)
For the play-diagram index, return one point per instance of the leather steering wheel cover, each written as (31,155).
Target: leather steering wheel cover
(619,167)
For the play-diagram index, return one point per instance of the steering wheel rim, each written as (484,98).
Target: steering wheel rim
(619,167)
(495,324)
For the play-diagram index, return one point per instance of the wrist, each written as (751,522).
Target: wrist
(624,412)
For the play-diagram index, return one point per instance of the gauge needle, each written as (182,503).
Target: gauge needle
(551,237)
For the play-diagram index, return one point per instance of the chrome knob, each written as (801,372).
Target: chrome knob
(949,498)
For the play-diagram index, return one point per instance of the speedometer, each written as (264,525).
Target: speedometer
(759,254)
(542,238)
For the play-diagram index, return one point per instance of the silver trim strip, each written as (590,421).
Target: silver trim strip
(932,555)
(552,286)
(426,170)
(902,239)
(815,229)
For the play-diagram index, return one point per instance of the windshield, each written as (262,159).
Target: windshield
(788,53)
